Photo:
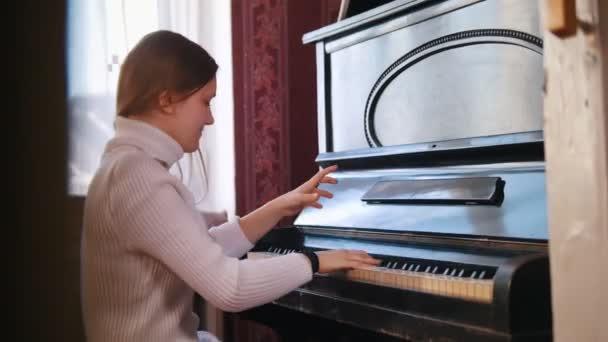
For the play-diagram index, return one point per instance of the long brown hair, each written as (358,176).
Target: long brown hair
(161,61)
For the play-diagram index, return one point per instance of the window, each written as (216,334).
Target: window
(100,34)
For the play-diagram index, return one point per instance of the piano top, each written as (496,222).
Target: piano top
(369,17)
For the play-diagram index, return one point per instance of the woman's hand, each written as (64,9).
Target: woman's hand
(337,260)
(261,220)
(307,194)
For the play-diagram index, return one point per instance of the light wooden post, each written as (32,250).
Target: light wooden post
(576,139)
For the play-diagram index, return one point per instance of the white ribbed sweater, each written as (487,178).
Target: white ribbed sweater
(145,248)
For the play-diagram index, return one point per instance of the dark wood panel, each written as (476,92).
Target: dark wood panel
(275,110)
(48,306)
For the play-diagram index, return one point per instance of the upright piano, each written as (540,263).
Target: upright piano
(433,112)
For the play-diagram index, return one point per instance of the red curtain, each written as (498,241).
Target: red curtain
(275,95)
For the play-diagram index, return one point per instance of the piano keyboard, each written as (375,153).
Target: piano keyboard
(451,280)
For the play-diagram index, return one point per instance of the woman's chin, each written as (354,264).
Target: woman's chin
(194,145)
(191,149)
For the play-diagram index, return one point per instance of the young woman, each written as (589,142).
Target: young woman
(145,247)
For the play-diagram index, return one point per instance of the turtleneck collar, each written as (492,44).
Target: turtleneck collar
(150,139)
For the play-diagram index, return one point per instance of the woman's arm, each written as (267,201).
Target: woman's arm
(148,212)
(239,237)
(228,234)
(260,221)
(155,220)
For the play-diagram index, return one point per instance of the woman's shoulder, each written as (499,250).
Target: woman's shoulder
(126,178)
(126,168)
(131,161)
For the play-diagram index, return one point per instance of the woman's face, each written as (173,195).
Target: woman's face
(192,115)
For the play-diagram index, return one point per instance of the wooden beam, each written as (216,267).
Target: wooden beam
(576,136)
(561,17)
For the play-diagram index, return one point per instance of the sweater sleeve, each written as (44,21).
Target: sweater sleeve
(231,237)
(155,220)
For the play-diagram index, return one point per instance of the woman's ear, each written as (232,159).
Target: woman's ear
(164,102)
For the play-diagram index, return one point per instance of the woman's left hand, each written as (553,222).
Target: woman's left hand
(261,220)
(307,194)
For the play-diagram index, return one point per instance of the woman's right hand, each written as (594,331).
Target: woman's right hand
(343,259)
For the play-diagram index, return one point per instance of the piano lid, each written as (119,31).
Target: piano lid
(414,71)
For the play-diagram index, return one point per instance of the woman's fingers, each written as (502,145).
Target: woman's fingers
(329,180)
(357,253)
(310,200)
(318,178)
(363,257)
(315,205)
(323,173)
(344,259)
(324,193)
(367,260)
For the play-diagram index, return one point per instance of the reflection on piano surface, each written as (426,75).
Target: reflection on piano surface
(433,112)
